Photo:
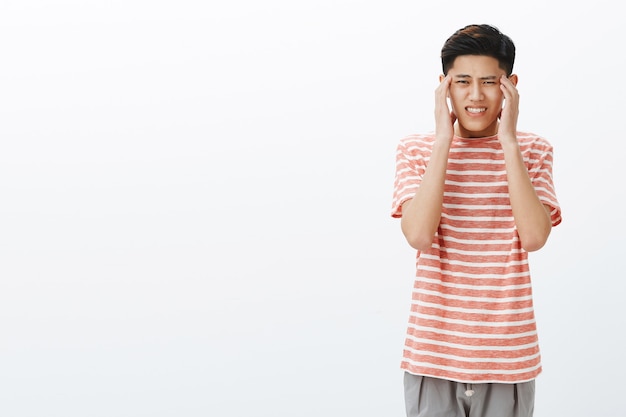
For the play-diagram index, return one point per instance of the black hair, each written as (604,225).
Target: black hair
(479,40)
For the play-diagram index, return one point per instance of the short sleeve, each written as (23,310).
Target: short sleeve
(410,167)
(540,171)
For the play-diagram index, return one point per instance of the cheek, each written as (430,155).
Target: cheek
(454,108)
(453,99)
(496,96)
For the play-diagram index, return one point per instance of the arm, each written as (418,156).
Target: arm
(532,218)
(422,213)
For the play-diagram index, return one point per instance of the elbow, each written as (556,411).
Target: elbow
(534,235)
(421,242)
(533,246)
(419,235)
(535,242)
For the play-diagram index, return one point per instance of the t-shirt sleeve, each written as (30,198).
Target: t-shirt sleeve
(408,176)
(541,176)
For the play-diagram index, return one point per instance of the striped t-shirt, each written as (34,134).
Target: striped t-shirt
(472,317)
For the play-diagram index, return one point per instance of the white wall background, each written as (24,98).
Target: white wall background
(194,202)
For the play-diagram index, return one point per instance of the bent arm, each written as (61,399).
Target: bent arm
(421,214)
(532,217)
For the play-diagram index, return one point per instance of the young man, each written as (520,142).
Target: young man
(474,198)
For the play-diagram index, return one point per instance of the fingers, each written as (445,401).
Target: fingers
(444,118)
(508,88)
(508,114)
(441,94)
(442,89)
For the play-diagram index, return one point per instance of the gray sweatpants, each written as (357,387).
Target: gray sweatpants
(433,397)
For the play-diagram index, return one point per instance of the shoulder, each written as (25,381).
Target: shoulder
(417,141)
(533,141)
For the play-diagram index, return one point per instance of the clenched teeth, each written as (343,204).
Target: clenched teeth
(476,109)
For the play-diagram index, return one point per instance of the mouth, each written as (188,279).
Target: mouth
(476,110)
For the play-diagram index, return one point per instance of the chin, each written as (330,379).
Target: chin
(479,129)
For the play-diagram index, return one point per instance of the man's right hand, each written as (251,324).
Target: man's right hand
(444,117)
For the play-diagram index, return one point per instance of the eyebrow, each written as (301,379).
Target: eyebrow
(488,77)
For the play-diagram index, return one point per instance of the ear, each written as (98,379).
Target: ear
(513,78)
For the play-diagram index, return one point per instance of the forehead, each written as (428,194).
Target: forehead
(476,65)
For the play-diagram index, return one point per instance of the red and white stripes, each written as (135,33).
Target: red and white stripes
(472,316)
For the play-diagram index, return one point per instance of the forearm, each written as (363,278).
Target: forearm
(421,215)
(532,218)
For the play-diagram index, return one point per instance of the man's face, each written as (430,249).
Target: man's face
(475,94)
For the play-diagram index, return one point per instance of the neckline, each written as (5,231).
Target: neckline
(479,139)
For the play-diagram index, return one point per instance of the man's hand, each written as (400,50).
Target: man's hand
(444,117)
(507,130)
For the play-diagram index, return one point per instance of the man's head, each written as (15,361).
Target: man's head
(475,58)
(479,40)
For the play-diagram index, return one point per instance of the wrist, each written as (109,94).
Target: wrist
(507,139)
(443,138)
(510,146)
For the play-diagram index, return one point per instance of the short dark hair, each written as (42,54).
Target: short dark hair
(479,40)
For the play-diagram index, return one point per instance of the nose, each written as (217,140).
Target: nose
(476,92)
